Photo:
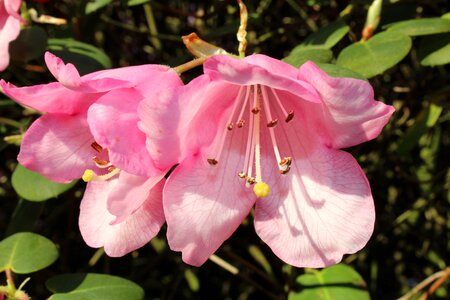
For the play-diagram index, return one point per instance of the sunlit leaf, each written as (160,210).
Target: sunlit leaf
(35,187)
(30,44)
(85,57)
(95,5)
(300,55)
(327,36)
(373,57)
(335,71)
(137,2)
(339,282)
(93,287)
(420,26)
(26,252)
(435,50)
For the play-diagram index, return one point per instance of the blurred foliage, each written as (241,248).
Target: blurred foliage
(407,166)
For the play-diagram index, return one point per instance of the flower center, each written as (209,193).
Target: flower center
(255,99)
(111,171)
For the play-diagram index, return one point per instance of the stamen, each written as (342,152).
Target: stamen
(285,164)
(212,161)
(244,105)
(265,98)
(249,153)
(240,123)
(257,135)
(255,110)
(101,163)
(97,147)
(272,123)
(242,175)
(230,126)
(289,115)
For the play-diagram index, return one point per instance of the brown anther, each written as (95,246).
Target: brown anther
(96,147)
(240,123)
(272,123)
(285,171)
(255,110)
(110,169)
(290,116)
(250,180)
(285,164)
(242,175)
(100,162)
(212,161)
(230,126)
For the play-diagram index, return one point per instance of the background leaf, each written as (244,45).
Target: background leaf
(373,57)
(35,187)
(93,287)
(339,282)
(30,44)
(421,26)
(435,50)
(26,252)
(327,36)
(300,55)
(335,71)
(95,5)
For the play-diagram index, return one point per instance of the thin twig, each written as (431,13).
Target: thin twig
(421,285)
(436,284)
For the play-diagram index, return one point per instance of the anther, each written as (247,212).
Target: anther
(285,164)
(242,175)
(255,110)
(212,161)
(249,180)
(96,147)
(240,123)
(272,123)
(230,126)
(290,116)
(101,163)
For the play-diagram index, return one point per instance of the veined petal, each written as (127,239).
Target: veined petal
(52,97)
(9,30)
(350,114)
(257,70)
(321,209)
(113,121)
(205,204)
(134,232)
(129,194)
(58,147)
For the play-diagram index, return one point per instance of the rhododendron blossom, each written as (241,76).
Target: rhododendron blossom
(9,28)
(99,127)
(264,134)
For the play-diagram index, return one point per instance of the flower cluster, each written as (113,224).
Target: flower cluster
(250,133)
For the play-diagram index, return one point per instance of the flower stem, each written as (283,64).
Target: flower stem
(190,65)
(242,31)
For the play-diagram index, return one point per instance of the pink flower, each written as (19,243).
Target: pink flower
(92,129)
(263,123)
(9,28)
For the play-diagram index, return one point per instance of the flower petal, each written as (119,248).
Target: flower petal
(204,205)
(350,113)
(114,121)
(51,98)
(9,29)
(257,70)
(129,194)
(321,209)
(134,232)
(58,147)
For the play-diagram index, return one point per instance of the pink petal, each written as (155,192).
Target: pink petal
(9,29)
(129,194)
(205,204)
(350,114)
(51,98)
(113,121)
(134,232)
(58,147)
(258,70)
(321,209)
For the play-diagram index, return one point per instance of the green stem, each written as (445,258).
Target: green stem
(10,122)
(152,26)
(190,64)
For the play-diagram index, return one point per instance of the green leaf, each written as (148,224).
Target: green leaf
(420,26)
(373,57)
(137,2)
(30,44)
(327,36)
(435,50)
(426,119)
(335,71)
(192,280)
(26,252)
(85,57)
(300,55)
(339,282)
(93,287)
(35,187)
(95,5)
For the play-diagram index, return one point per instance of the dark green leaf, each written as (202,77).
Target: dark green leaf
(327,36)
(137,2)
(300,55)
(373,57)
(339,282)
(93,287)
(95,5)
(85,57)
(30,44)
(335,71)
(34,187)
(435,50)
(421,26)
(26,252)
